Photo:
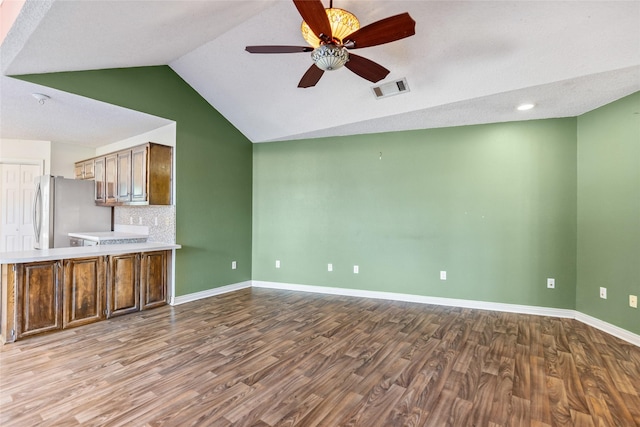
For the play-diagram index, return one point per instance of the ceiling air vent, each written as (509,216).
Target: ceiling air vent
(391,88)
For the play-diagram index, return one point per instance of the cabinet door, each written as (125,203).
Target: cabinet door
(124,176)
(78,170)
(139,174)
(159,178)
(84,284)
(89,169)
(110,177)
(123,285)
(100,195)
(153,279)
(39,298)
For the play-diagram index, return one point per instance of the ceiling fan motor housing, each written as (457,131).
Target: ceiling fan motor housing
(330,57)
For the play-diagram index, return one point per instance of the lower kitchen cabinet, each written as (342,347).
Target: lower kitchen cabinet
(123,287)
(84,291)
(47,296)
(153,279)
(39,298)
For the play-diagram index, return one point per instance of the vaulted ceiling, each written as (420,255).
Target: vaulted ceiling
(470,62)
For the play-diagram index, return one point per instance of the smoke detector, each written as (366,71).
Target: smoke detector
(391,88)
(41,97)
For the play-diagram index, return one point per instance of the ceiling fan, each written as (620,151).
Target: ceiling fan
(332,32)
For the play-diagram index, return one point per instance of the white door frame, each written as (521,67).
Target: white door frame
(18,161)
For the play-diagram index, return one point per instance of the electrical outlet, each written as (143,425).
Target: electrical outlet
(277,263)
(234,265)
(329,267)
(551,283)
(603,293)
(633,301)
(443,275)
(356,269)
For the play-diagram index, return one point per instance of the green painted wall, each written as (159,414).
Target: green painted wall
(501,207)
(493,205)
(213,162)
(609,212)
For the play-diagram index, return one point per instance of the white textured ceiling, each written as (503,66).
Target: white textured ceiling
(470,62)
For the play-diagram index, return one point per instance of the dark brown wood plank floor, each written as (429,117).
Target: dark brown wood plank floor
(276,358)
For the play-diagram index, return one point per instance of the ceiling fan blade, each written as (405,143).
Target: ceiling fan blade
(278,49)
(311,77)
(313,13)
(383,31)
(366,68)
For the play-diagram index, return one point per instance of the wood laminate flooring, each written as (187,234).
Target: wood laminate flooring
(259,357)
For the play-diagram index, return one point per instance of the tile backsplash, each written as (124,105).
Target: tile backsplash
(160,220)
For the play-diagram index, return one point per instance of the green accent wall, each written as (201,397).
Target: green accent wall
(609,212)
(213,168)
(493,205)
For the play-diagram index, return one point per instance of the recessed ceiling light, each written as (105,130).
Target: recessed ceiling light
(525,107)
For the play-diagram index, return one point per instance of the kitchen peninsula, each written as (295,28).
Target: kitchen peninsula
(53,289)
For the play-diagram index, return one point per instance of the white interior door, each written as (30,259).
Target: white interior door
(16,200)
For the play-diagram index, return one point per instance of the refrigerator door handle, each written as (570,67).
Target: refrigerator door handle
(37,213)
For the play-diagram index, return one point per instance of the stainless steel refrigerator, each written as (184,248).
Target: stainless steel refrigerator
(64,206)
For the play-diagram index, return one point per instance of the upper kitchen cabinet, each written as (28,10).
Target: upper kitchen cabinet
(100,193)
(124,176)
(103,171)
(85,169)
(136,176)
(110,182)
(151,174)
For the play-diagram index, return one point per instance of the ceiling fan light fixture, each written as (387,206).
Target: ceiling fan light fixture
(329,57)
(336,30)
(342,24)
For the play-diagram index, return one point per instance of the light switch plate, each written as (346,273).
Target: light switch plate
(633,301)
(443,275)
(356,269)
(551,283)
(603,293)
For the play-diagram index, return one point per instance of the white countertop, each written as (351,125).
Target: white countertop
(81,251)
(101,236)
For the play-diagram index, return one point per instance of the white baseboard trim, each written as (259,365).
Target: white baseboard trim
(452,302)
(614,330)
(209,293)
